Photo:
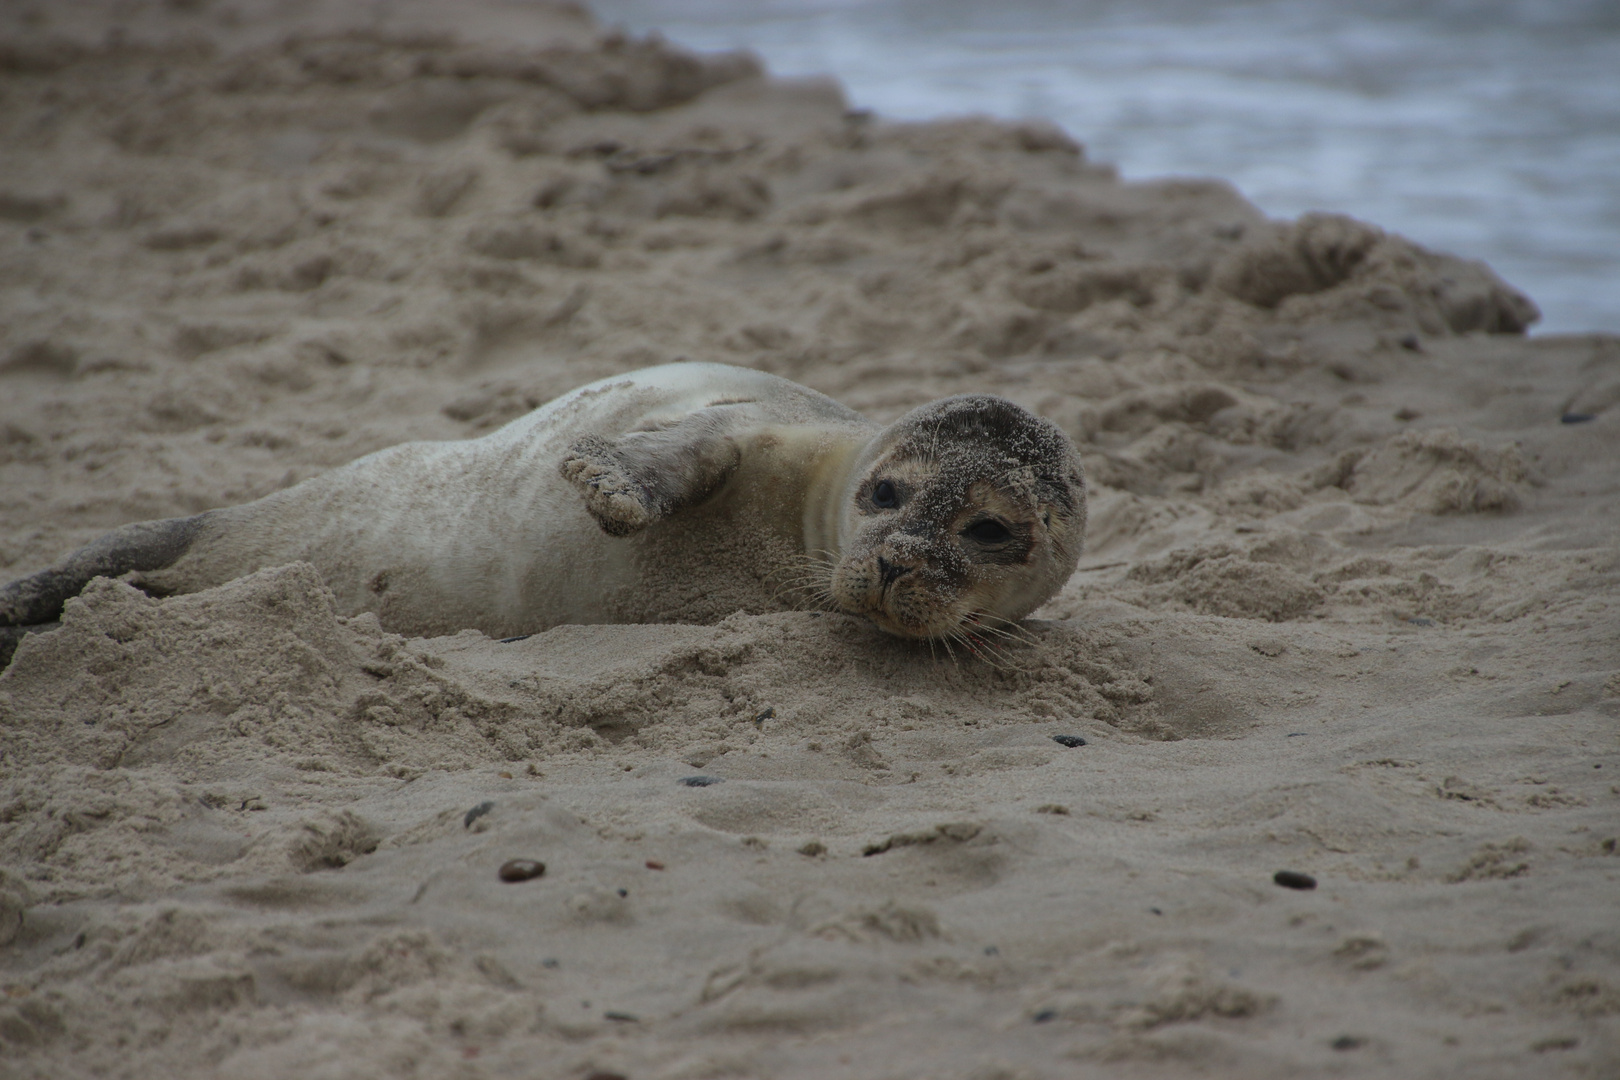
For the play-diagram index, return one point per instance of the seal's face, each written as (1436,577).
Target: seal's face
(971,515)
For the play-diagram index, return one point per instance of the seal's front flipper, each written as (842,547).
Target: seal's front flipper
(145,545)
(645,476)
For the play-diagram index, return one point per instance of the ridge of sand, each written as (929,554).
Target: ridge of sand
(1350,606)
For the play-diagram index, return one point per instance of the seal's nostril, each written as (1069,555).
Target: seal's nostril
(888,571)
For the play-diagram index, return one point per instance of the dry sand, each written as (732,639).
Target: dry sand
(1351,605)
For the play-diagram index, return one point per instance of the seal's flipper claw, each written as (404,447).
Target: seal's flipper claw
(645,476)
(619,504)
(145,545)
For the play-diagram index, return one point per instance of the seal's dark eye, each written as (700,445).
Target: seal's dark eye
(988,531)
(884,496)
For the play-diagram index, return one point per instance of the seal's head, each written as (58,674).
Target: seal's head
(968,513)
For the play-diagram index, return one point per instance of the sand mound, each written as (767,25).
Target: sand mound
(1435,472)
(1331,265)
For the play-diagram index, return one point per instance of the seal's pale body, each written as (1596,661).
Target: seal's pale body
(680,493)
(437,537)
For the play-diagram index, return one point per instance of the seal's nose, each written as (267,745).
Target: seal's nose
(888,572)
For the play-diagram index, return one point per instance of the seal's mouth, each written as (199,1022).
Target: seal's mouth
(980,634)
(909,601)
(942,621)
(892,625)
(921,610)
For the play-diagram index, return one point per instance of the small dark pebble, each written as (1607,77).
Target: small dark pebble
(1576,417)
(1068,740)
(1297,734)
(1411,342)
(699,781)
(1155,911)
(1044,1015)
(1347,1042)
(521,870)
(1293,879)
(622,893)
(475,813)
(654,864)
(520,637)
(551,962)
(991,950)
(621,1017)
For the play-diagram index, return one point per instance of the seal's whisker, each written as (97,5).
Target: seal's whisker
(807,578)
(809,595)
(1018,635)
(986,652)
(995,653)
(1009,629)
(983,651)
(972,644)
(806,582)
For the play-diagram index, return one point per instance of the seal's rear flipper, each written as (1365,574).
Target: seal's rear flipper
(645,476)
(145,545)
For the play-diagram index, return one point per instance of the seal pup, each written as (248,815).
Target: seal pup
(680,493)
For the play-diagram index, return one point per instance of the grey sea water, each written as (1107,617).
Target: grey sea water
(1488,128)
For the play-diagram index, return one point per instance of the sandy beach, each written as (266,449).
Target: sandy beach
(1349,607)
